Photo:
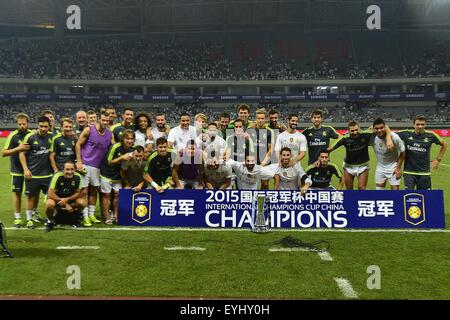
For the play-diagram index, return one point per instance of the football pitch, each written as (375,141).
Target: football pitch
(190,263)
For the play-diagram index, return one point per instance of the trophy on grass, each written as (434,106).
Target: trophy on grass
(260,211)
(3,241)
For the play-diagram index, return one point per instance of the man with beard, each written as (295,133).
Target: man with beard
(248,173)
(12,148)
(132,171)
(161,129)
(418,143)
(290,176)
(217,174)
(389,163)
(318,136)
(292,139)
(224,121)
(53,131)
(127,123)
(273,122)
(36,165)
(90,148)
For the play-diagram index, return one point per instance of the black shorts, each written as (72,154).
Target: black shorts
(63,217)
(35,185)
(417,182)
(17,184)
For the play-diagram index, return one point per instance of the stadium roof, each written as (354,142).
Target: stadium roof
(225,15)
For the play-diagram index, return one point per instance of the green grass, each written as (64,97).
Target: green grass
(235,264)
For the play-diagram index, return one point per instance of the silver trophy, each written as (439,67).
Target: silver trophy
(259,209)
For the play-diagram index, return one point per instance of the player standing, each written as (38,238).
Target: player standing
(418,144)
(91,147)
(389,163)
(182,134)
(289,176)
(12,148)
(127,123)
(63,146)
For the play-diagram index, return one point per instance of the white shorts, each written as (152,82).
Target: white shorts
(195,184)
(91,178)
(106,185)
(356,170)
(382,176)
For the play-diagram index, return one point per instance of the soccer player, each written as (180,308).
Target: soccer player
(389,162)
(318,136)
(273,122)
(188,168)
(92,117)
(294,140)
(211,142)
(12,148)
(182,134)
(356,162)
(111,110)
(81,122)
(158,172)
(51,116)
(110,179)
(132,171)
(36,166)
(248,173)
(64,195)
(243,114)
(127,123)
(262,136)
(289,176)
(321,175)
(63,146)
(218,174)
(143,133)
(90,148)
(200,123)
(224,121)
(161,129)
(418,144)
(239,143)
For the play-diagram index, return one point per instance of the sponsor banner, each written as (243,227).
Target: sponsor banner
(439,132)
(4,134)
(444,96)
(286,209)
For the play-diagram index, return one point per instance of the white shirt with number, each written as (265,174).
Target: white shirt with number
(387,160)
(294,141)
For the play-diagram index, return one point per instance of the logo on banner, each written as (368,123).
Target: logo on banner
(414,206)
(142,202)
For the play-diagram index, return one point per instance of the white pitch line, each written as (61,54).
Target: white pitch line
(325,256)
(247,230)
(185,248)
(443,164)
(346,288)
(78,248)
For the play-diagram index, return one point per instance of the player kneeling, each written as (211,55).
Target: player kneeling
(64,204)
